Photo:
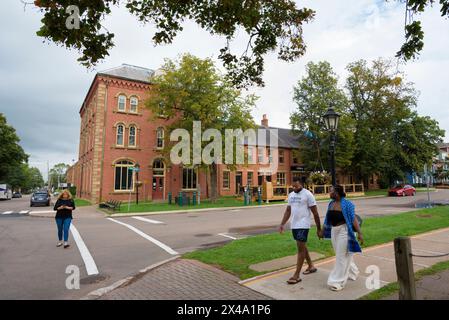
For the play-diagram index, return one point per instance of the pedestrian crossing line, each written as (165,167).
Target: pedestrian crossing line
(144,235)
(44,211)
(89,262)
(24,211)
(148,220)
(7,212)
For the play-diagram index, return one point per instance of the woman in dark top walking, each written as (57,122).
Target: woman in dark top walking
(339,225)
(64,207)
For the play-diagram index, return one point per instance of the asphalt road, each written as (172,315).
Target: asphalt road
(31,267)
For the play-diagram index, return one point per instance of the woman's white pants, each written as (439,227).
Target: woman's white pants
(344,268)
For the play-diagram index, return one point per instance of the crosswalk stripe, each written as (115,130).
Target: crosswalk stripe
(144,235)
(7,212)
(47,211)
(24,211)
(91,267)
(148,220)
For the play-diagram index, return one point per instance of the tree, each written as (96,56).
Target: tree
(191,89)
(270,25)
(11,153)
(415,142)
(58,174)
(313,95)
(35,179)
(414,35)
(24,178)
(390,138)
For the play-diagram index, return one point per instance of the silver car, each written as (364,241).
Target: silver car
(40,198)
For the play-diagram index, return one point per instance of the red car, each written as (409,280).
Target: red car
(402,191)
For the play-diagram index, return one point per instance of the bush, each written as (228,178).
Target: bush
(72,190)
(319,178)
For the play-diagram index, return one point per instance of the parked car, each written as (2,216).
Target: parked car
(40,198)
(402,191)
(17,195)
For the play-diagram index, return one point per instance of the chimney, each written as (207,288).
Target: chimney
(264,121)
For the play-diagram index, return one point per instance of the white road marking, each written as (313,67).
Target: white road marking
(227,236)
(24,211)
(45,211)
(148,220)
(235,210)
(144,235)
(7,212)
(89,262)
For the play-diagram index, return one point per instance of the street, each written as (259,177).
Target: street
(109,249)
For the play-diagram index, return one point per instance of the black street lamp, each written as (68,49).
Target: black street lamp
(331,122)
(137,169)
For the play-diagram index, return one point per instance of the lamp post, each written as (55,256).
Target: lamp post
(331,122)
(137,169)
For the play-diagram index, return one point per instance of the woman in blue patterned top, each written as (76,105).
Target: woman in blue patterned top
(339,225)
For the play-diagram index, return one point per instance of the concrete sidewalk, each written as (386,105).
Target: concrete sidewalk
(314,287)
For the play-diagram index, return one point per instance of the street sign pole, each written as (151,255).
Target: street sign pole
(137,187)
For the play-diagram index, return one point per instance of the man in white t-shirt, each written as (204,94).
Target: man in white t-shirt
(301,203)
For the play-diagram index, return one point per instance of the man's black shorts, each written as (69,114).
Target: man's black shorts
(300,234)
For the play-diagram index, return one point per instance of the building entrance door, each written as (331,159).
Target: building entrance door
(158,180)
(158,188)
(238,181)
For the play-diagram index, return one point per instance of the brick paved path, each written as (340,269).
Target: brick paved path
(185,280)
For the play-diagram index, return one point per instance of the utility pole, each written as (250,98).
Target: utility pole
(48,176)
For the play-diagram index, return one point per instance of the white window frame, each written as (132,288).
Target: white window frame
(131,104)
(118,164)
(135,136)
(161,137)
(283,178)
(251,155)
(122,135)
(223,180)
(119,102)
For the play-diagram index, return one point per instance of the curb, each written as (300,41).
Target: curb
(331,258)
(219,209)
(98,293)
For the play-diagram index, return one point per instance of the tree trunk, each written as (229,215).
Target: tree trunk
(213,182)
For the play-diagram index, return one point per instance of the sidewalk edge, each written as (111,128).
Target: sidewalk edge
(98,293)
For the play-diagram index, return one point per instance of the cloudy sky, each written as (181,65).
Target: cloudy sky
(42,86)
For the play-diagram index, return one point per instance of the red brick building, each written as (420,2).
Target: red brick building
(117,132)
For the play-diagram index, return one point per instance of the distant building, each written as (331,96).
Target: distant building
(116,134)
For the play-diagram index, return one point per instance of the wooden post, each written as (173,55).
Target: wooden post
(404,268)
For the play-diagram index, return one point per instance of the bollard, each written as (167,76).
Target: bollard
(404,268)
(194,198)
(169,197)
(180,199)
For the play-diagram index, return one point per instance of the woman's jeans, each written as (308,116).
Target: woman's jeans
(63,227)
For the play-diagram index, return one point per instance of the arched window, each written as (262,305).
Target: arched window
(132,136)
(160,137)
(123,176)
(133,102)
(121,102)
(158,167)
(120,131)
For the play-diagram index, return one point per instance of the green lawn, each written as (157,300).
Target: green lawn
(82,203)
(205,204)
(237,256)
(393,288)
